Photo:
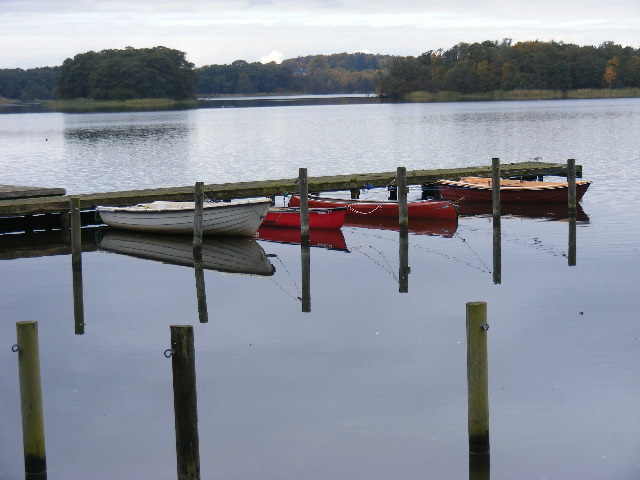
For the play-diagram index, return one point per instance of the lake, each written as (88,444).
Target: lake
(371,382)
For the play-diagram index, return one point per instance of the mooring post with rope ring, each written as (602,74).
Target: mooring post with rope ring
(35,458)
(477,377)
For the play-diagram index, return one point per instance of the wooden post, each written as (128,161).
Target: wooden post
(571,180)
(305,257)
(497,251)
(404,270)
(495,179)
(185,402)
(304,202)
(477,377)
(355,193)
(76,231)
(197,214)
(403,214)
(479,466)
(35,458)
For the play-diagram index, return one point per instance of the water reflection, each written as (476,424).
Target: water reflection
(329,239)
(224,254)
(539,211)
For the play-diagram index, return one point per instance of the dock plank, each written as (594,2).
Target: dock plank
(20,191)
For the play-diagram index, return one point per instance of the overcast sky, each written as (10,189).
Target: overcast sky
(35,33)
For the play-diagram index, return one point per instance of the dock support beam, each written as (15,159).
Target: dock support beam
(303,181)
(198,198)
(571,180)
(495,183)
(35,459)
(403,214)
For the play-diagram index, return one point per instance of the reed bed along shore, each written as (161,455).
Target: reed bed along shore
(89,105)
(500,95)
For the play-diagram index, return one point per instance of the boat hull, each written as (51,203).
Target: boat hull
(511,191)
(442,209)
(241,218)
(319,218)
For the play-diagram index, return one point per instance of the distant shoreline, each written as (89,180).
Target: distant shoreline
(146,104)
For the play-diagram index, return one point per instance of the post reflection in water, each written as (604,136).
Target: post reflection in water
(305,258)
(76,263)
(403,277)
(200,285)
(572,239)
(497,251)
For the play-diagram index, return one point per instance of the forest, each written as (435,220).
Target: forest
(488,66)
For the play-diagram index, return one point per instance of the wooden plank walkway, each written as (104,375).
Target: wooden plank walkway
(16,191)
(226,191)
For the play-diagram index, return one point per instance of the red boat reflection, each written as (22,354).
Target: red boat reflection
(330,239)
(437,226)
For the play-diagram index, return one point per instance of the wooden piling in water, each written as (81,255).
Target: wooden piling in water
(477,377)
(304,202)
(571,180)
(198,198)
(35,459)
(185,402)
(76,231)
(403,213)
(495,179)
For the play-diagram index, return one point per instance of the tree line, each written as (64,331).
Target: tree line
(492,65)
(161,72)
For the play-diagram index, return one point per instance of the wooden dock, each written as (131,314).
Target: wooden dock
(56,203)
(16,191)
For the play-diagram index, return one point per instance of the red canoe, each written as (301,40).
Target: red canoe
(479,189)
(319,218)
(389,209)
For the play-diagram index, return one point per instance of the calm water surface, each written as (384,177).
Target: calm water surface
(371,383)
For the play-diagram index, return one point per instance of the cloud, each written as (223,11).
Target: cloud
(45,32)
(274,56)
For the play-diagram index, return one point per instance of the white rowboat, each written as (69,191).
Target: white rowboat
(238,218)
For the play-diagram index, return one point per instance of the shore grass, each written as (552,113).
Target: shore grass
(89,105)
(500,95)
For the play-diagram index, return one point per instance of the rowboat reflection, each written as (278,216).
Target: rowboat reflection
(329,239)
(241,255)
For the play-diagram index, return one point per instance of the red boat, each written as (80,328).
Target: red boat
(319,218)
(417,209)
(479,189)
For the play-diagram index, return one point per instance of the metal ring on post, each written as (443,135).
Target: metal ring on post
(168,353)
(484,326)
(16,348)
